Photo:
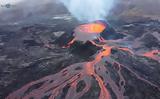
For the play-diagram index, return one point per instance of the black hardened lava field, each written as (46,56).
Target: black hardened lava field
(64,57)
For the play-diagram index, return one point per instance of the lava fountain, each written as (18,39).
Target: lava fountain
(88,32)
(52,86)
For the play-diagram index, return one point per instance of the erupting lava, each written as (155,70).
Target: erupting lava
(88,32)
(91,28)
(52,86)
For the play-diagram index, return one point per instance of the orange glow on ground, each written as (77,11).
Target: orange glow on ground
(104,93)
(153,54)
(53,85)
(70,43)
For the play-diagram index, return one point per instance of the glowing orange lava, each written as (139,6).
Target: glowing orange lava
(87,32)
(91,28)
(52,86)
(104,94)
(153,54)
(70,43)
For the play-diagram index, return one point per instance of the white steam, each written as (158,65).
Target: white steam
(89,10)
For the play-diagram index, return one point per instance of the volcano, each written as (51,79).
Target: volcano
(49,52)
(71,76)
(98,30)
(103,67)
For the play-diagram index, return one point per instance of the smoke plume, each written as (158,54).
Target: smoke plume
(89,10)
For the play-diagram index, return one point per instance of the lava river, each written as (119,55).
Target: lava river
(52,86)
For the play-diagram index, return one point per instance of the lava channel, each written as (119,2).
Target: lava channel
(154,54)
(52,86)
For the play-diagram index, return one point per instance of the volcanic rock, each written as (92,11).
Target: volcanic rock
(29,53)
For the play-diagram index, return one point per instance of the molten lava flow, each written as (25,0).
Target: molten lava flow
(153,54)
(101,39)
(70,43)
(104,94)
(52,86)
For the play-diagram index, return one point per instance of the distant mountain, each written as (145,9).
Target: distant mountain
(139,8)
(33,10)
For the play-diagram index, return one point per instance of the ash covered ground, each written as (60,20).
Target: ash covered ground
(31,51)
